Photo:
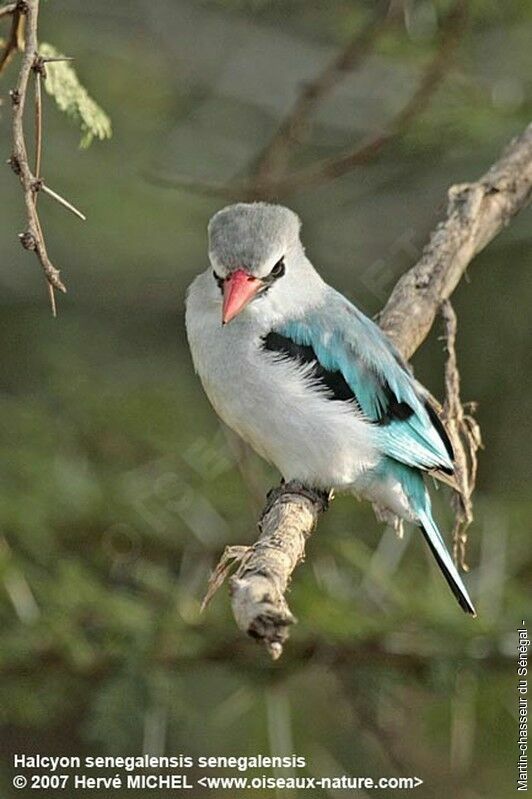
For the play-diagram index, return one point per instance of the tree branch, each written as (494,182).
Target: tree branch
(477,212)
(33,238)
(268,184)
(32,183)
(258,587)
(273,161)
(331,168)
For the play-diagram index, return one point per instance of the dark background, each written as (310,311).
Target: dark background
(119,490)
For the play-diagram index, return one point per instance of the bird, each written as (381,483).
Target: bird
(307,380)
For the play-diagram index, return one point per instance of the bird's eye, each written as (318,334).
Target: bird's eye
(219,280)
(279,269)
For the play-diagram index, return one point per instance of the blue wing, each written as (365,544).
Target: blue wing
(347,343)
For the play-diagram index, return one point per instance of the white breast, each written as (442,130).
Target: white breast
(272,403)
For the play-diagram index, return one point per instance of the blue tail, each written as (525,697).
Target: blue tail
(445,562)
(416,491)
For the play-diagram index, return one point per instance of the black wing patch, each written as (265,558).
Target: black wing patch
(440,429)
(394,408)
(333,381)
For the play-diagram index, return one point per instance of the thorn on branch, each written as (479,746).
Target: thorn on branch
(40,61)
(53,59)
(51,296)
(15,96)
(61,200)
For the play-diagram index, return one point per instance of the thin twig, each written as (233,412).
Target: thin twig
(38,126)
(51,297)
(230,557)
(15,39)
(272,162)
(209,188)
(7,10)
(329,169)
(464,429)
(49,286)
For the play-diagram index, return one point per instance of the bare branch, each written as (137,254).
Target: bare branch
(336,166)
(259,585)
(33,238)
(263,187)
(273,161)
(477,212)
(210,188)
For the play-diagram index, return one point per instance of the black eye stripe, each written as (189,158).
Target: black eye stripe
(278,270)
(276,273)
(219,280)
(268,281)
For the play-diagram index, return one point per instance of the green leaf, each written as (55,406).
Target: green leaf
(63,85)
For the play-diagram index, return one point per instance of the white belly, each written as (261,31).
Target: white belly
(271,405)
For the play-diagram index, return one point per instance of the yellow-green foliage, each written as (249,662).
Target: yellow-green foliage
(63,85)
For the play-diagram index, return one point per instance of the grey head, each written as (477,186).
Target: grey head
(251,236)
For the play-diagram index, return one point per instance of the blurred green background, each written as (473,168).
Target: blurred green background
(120,490)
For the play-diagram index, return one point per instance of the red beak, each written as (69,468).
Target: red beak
(239,288)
